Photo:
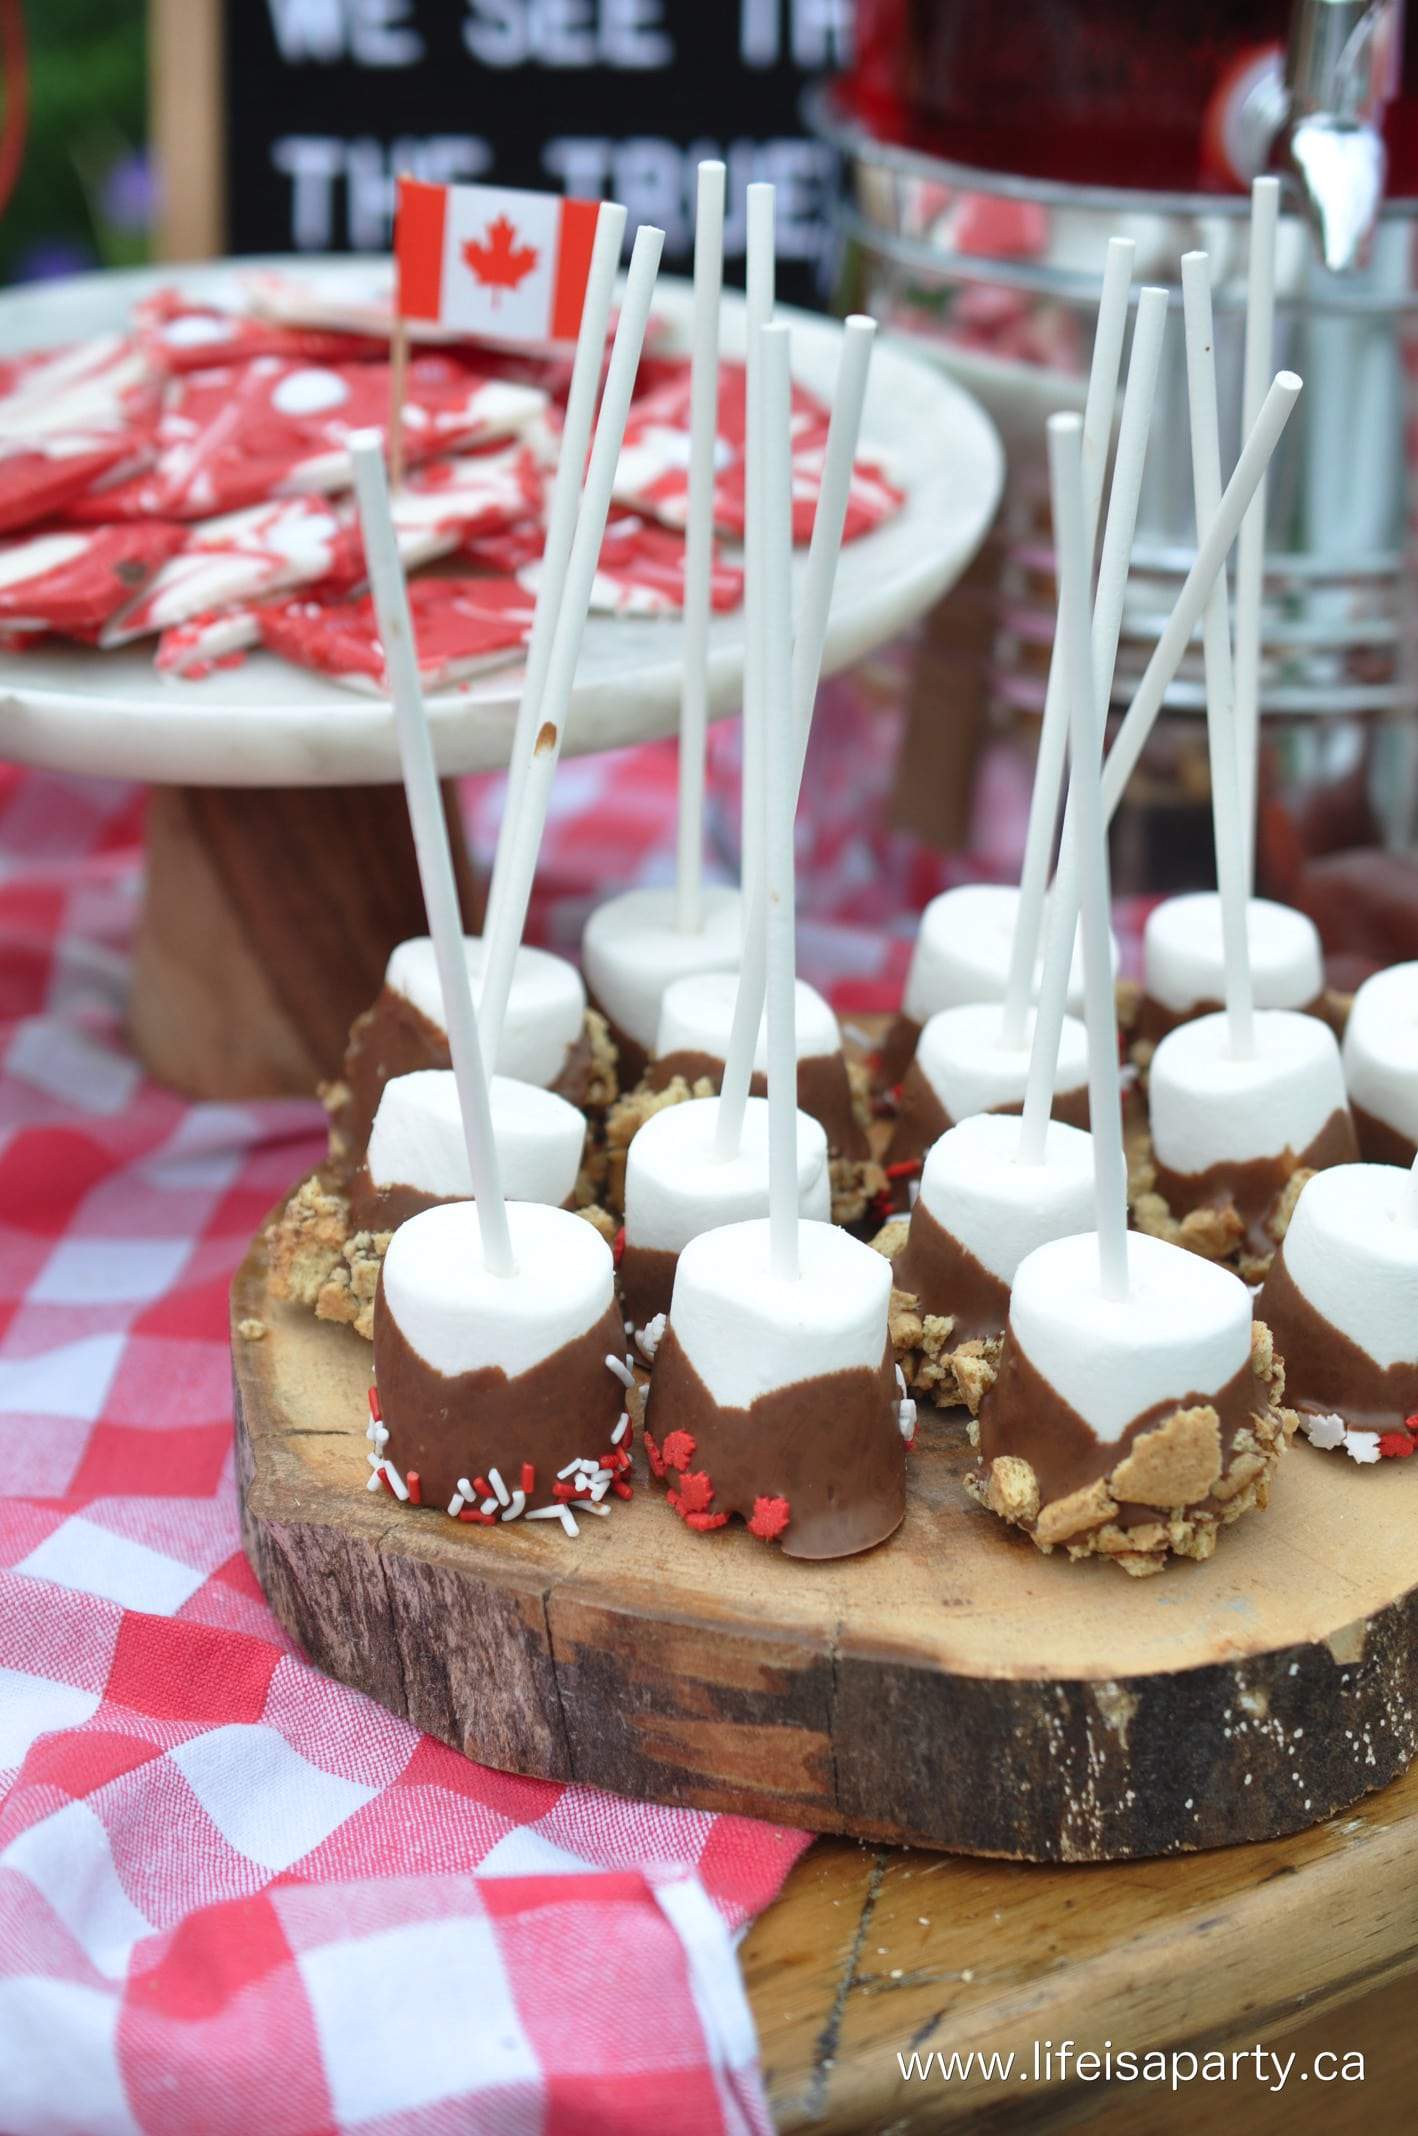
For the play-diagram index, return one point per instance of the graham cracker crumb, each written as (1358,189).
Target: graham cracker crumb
(859,1082)
(1012,1490)
(251,1330)
(1182,1454)
(600,1220)
(1067,1517)
(1174,1465)
(603,1071)
(857,1184)
(306,1240)
(949,1374)
(1214,1234)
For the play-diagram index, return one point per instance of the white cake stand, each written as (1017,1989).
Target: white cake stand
(280,870)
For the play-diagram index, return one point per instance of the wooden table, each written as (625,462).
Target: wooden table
(1301,1945)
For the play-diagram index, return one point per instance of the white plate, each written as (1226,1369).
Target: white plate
(268,724)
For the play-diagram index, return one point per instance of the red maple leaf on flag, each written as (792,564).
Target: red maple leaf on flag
(497,260)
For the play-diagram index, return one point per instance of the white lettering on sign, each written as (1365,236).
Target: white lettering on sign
(342,192)
(569,34)
(373,33)
(657,179)
(819,32)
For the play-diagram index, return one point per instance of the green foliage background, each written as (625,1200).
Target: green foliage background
(88,112)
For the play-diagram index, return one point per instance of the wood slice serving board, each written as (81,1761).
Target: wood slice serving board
(953,1688)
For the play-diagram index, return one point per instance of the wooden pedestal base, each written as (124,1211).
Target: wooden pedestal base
(951,1688)
(268,916)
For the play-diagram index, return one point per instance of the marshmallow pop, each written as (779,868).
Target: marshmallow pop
(775,1395)
(1240,1102)
(1129,1418)
(1341,1301)
(966,1062)
(1381,1065)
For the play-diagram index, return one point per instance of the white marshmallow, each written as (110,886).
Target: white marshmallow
(677,1186)
(1352,1251)
(1000,1209)
(417,1138)
(747,1331)
(1184,1328)
(1208,1108)
(963,948)
(961,1055)
(546,1007)
(632,949)
(459,1318)
(1381,1048)
(697,1015)
(1183,961)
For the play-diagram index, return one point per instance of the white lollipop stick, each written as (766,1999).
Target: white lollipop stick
(699,544)
(1220,698)
(430,828)
(759,293)
(571,623)
(1091,845)
(844,429)
(1131,740)
(1053,729)
(1250,549)
(776,491)
(1413,1192)
(1139,399)
(561,522)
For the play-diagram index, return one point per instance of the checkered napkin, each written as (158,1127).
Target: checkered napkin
(235,1896)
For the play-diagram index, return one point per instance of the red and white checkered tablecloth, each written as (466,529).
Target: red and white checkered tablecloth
(235,1896)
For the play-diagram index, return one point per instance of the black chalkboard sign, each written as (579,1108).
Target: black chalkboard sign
(327,100)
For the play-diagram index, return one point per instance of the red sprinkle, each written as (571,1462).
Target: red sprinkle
(904,1168)
(694,1493)
(703,1522)
(415,1484)
(618,1246)
(529,1476)
(678,1450)
(374,1409)
(481,1520)
(770,1517)
(653,1455)
(482,1487)
(384,1479)
(622,1490)
(1397,1445)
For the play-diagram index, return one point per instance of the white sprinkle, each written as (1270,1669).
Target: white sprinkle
(598,1490)
(906,1418)
(566,1520)
(504,1496)
(545,1513)
(455,1505)
(381,1435)
(901,1381)
(621,1370)
(621,1428)
(369,1428)
(401,1489)
(1361,1445)
(588,1505)
(373,1483)
(651,1336)
(1323,1431)
(517,1507)
(569,1470)
(489,1505)
(466,1488)
(376,1461)
(589,1467)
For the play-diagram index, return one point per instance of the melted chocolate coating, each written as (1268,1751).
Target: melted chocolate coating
(1378,1142)
(1023,1415)
(647,1280)
(1253,1185)
(898,1050)
(946,1278)
(1325,1373)
(563,1410)
(824,1093)
(831,1446)
(394,1038)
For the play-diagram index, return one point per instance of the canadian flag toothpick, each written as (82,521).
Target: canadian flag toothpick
(493,263)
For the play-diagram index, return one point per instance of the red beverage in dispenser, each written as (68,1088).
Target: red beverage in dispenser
(1138,93)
